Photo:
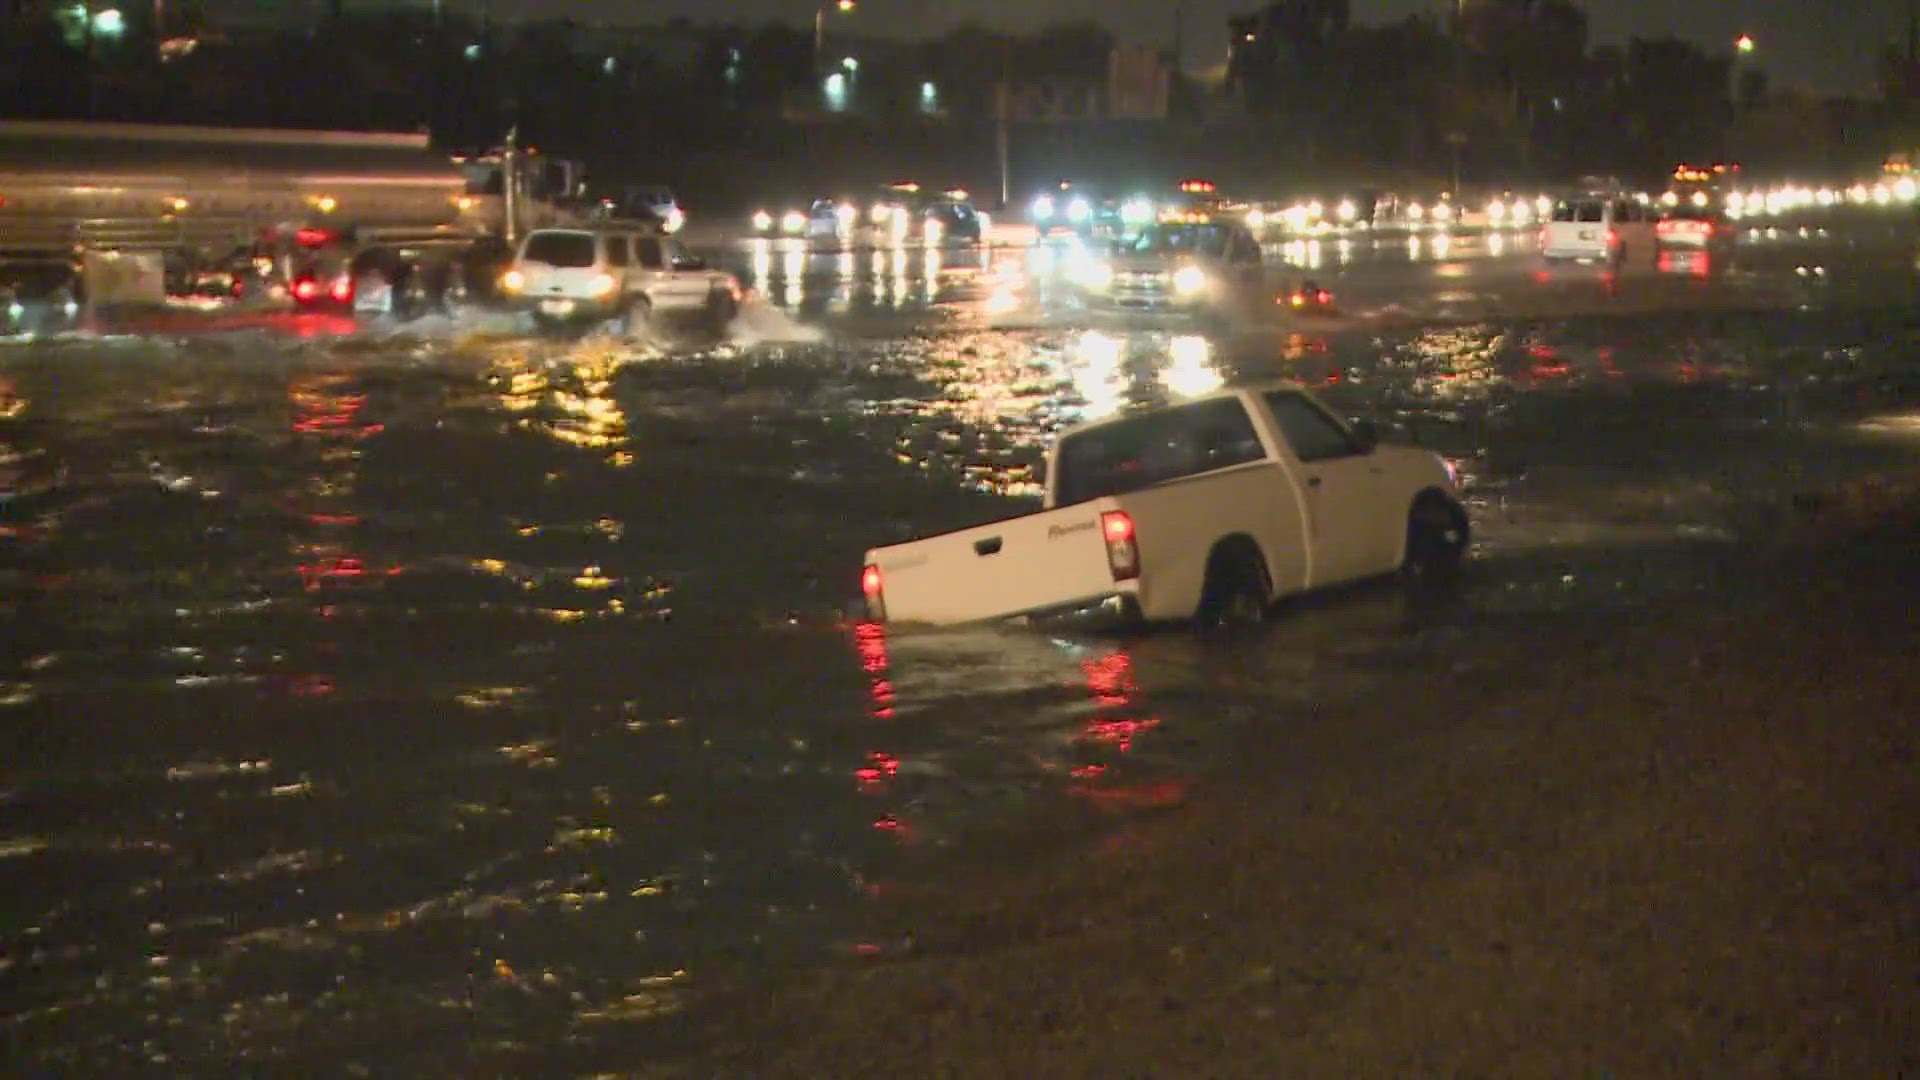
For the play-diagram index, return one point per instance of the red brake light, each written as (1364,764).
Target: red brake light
(313,238)
(305,289)
(870,588)
(1613,237)
(1326,297)
(342,289)
(1123,555)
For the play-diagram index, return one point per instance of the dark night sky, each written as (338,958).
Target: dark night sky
(1824,45)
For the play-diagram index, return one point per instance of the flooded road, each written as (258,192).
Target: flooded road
(460,702)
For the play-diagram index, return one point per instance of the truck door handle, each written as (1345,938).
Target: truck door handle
(989,546)
(1313,481)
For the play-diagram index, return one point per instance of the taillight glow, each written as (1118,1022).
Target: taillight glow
(1613,237)
(312,238)
(305,288)
(342,290)
(870,587)
(1123,554)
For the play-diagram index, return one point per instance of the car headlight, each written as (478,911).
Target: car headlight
(762,221)
(603,285)
(513,281)
(1256,219)
(1043,208)
(847,215)
(880,213)
(1189,280)
(676,217)
(1079,210)
(793,223)
(1097,275)
(1137,212)
(932,230)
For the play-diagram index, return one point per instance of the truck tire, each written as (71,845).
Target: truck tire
(1437,536)
(636,316)
(1237,591)
(721,309)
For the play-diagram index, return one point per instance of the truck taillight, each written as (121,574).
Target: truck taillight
(870,587)
(342,291)
(1613,237)
(312,238)
(305,289)
(1123,554)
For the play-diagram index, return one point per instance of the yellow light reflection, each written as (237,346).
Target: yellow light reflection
(933,264)
(1096,372)
(793,267)
(1190,370)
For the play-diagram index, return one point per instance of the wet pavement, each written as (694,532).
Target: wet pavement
(437,699)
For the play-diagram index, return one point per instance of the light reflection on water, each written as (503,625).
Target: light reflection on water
(491,696)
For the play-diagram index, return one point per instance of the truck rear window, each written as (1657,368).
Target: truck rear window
(560,248)
(1114,459)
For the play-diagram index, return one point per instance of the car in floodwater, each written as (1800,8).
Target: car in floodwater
(1210,509)
(627,273)
(40,296)
(1187,266)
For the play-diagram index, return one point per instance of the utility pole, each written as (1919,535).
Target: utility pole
(1179,33)
(1001,105)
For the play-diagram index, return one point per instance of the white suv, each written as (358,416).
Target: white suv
(626,272)
(1597,228)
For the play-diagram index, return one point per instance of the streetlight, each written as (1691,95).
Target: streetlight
(1744,43)
(820,26)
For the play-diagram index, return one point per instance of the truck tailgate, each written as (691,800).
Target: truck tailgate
(1043,560)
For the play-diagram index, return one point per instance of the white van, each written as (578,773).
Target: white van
(1597,228)
(628,272)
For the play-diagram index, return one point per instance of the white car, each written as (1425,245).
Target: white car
(629,273)
(1209,509)
(1188,266)
(1597,228)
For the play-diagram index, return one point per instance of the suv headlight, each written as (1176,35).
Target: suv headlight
(603,285)
(513,281)
(1189,280)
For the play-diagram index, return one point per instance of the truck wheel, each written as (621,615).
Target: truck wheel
(721,309)
(1437,536)
(636,316)
(1237,589)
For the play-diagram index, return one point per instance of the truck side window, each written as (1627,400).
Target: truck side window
(651,255)
(618,250)
(1313,434)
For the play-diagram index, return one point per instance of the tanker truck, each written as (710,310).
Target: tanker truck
(110,213)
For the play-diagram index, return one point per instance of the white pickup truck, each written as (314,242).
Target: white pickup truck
(1211,509)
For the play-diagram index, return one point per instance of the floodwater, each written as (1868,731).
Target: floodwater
(433,704)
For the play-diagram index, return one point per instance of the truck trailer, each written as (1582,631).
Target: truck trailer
(114,214)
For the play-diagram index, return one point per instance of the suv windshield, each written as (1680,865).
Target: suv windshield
(1117,458)
(566,249)
(1169,239)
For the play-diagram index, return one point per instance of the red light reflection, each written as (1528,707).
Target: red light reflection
(880,768)
(1111,678)
(870,638)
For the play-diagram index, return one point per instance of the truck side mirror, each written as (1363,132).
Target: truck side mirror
(1365,436)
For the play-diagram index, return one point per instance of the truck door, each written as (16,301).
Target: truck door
(1343,487)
